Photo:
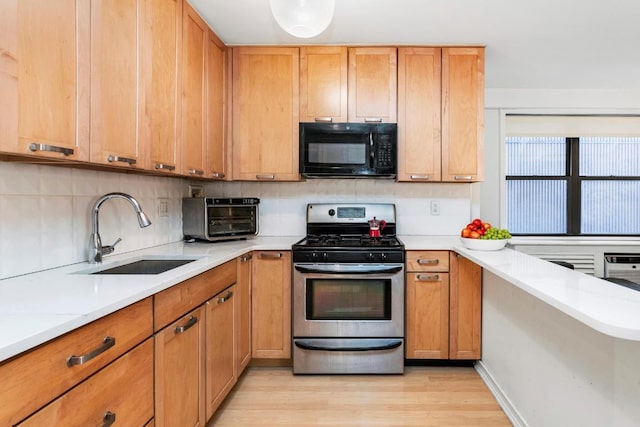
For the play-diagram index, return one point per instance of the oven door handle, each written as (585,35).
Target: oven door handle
(384,345)
(348,269)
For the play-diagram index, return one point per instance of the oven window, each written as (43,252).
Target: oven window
(348,299)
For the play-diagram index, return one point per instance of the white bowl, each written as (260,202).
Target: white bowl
(483,245)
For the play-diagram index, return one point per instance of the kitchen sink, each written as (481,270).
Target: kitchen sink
(143,266)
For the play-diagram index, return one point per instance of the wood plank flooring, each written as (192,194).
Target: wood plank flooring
(423,396)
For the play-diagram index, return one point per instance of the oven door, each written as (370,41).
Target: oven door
(348,301)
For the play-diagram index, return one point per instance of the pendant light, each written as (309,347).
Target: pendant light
(303,18)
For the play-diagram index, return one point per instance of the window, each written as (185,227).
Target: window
(573,185)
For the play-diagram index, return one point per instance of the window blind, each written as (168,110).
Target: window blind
(572,126)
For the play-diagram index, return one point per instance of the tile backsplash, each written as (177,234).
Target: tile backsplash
(45,211)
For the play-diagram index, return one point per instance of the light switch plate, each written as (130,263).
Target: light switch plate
(163,208)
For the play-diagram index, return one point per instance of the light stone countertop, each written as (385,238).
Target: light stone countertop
(37,307)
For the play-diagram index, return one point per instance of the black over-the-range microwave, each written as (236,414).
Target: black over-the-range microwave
(348,150)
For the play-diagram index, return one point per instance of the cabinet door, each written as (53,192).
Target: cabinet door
(216,108)
(323,84)
(194,51)
(465,317)
(44,86)
(462,114)
(160,62)
(179,372)
(427,316)
(122,392)
(419,114)
(220,351)
(271,305)
(243,313)
(114,83)
(373,84)
(265,113)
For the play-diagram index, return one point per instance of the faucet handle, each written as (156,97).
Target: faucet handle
(106,250)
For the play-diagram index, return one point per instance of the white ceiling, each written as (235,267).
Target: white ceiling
(547,44)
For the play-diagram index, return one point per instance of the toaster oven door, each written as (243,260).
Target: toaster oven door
(232,220)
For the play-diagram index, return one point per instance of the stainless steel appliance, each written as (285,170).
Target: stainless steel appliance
(348,150)
(623,269)
(348,292)
(213,219)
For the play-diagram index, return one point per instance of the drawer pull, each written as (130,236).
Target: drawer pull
(52,148)
(246,258)
(271,256)
(420,177)
(111,158)
(225,298)
(462,177)
(422,261)
(108,419)
(107,343)
(265,177)
(192,321)
(428,277)
(162,166)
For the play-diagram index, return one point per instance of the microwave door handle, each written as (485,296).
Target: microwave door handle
(372,153)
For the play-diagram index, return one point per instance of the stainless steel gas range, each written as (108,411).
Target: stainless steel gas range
(348,292)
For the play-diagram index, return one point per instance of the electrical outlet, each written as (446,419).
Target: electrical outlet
(163,208)
(435,207)
(196,191)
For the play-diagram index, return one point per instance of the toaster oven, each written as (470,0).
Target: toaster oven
(214,219)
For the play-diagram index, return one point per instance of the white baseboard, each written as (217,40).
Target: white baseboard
(503,401)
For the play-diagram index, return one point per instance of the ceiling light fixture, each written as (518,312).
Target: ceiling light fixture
(303,18)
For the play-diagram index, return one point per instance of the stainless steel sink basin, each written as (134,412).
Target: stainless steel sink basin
(145,266)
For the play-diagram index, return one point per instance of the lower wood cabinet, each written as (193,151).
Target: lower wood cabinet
(271,305)
(444,303)
(243,313)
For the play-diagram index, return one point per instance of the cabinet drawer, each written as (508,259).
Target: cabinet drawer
(35,378)
(428,261)
(123,392)
(183,297)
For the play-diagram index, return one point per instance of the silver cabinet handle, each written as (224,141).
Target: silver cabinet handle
(218,175)
(180,329)
(265,177)
(323,119)
(108,419)
(51,148)
(245,258)
(420,177)
(428,277)
(373,120)
(111,158)
(198,172)
(162,166)
(271,256)
(462,177)
(225,298)
(107,343)
(422,261)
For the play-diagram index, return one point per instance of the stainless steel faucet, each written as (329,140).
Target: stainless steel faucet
(96,250)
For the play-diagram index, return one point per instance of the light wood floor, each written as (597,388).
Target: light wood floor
(423,396)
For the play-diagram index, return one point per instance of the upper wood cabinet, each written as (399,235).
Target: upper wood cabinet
(162,84)
(265,113)
(323,84)
(372,84)
(44,78)
(419,87)
(463,114)
(216,98)
(115,107)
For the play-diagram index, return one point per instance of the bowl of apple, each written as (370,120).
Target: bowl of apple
(481,236)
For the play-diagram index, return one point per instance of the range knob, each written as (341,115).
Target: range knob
(370,256)
(314,256)
(325,256)
(383,256)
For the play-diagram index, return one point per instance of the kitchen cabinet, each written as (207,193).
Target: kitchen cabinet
(44,80)
(49,371)
(265,113)
(161,79)
(216,98)
(180,371)
(465,316)
(122,392)
(419,94)
(462,114)
(243,313)
(427,326)
(372,84)
(323,84)
(115,107)
(271,305)
(220,348)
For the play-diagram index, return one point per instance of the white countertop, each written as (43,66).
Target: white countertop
(37,307)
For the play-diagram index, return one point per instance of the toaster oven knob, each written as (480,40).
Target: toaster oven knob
(332,212)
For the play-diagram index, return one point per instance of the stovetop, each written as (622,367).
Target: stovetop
(333,241)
